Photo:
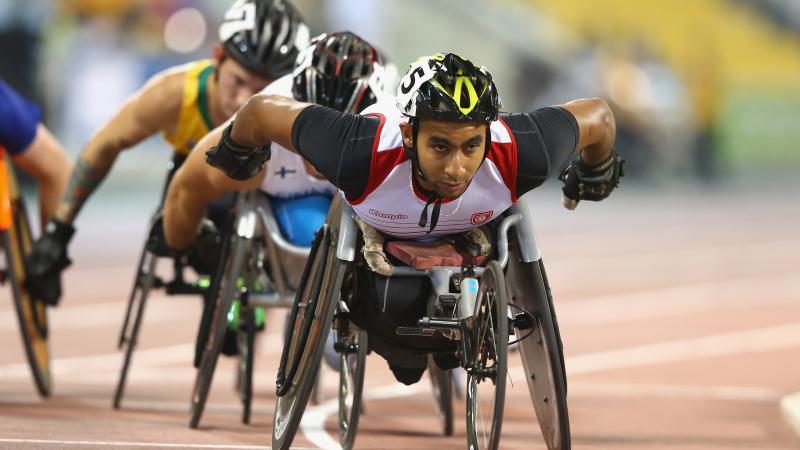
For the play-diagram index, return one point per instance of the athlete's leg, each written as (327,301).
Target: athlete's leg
(46,161)
(195,184)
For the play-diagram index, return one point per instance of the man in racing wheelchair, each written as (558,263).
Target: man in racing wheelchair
(439,162)
(338,70)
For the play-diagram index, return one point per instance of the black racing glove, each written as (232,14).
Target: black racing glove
(47,259)
(157,241)
(237,161)
(584,182)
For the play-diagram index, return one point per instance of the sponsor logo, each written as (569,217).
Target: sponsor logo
(390,216)
(481,217)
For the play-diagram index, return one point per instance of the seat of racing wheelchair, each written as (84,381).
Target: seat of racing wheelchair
(424,255)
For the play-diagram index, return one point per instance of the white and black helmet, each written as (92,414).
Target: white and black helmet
(264,36)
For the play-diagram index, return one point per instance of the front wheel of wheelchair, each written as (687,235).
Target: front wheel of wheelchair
(246,341)
(486,348)
(223,289)
(442,387)
(353,362)
(311,317)
(31,313)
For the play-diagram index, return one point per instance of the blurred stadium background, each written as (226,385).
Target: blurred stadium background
(704,90)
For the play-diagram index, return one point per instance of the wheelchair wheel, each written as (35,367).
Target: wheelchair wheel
(311,317)
(442,387)
(31,314)
(223,289)
(351,384)
(486,351)
(542,357)
(246,340)
(142,284)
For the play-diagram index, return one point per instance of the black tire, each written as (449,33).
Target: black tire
(142,284)
(223,291)
(303,347)
(542,354)
(487,361)
(246,341)
(442,387)
(31,314)
(351,387)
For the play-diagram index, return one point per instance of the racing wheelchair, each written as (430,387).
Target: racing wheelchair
(475,307)
(257,268)
(16,242)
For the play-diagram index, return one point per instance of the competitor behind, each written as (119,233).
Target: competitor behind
(443,154)
(338,70)
(259,42)
(33,148)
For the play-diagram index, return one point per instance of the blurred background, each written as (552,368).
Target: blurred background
(703,90)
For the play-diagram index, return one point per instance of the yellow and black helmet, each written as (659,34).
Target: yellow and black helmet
(448,87)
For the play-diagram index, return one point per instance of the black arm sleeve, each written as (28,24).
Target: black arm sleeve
(338,145)
(545,139)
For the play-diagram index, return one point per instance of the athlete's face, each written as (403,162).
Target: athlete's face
(449,154)
(235,85)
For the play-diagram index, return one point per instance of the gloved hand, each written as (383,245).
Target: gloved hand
(584,182)
(47,259)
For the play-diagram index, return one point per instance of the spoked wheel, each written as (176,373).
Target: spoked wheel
(542,357)
(485,350)
(353,359)
(142,284)
(246,340)
(442,386)
(31,314)
(310,318)
(223,289)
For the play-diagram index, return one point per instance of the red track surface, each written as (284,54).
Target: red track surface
(680,316)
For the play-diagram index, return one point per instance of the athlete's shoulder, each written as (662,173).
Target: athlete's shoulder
(282,86)
(390,120)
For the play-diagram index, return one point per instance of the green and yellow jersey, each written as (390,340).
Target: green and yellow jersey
(194,121)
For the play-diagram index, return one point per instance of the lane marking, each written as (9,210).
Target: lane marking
(790,407)
(750,341)
(127,444)
(312,424)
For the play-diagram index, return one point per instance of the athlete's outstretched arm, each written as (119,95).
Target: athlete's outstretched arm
(597,128)
(193,185)
(46,161)
(267,118)
(155,107)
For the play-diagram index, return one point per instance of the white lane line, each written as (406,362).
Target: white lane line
(127,444)
(750,341)
(733,393)
(313,423)
(790,407)
(677,300)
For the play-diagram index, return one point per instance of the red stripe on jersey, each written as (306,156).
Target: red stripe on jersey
(504,156)
(381,164)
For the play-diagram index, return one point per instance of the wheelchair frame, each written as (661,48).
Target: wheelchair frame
(524,280)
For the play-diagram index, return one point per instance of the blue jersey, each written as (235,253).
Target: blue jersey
(18,120)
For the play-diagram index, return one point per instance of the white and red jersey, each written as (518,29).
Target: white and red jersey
(393,204)
(287,176)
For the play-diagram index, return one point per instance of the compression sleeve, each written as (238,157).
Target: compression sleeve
(338,145)
(545,139)
(18,120)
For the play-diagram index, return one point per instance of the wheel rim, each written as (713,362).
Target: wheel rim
(546,412)
(486,378)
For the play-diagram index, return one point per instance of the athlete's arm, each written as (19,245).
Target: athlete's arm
(45,160)
(597,129)
(193,185)
(338,145)
(155,107)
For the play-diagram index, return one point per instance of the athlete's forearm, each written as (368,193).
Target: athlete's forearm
(183,213)
(266,118)
(83,180)
(597,126)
